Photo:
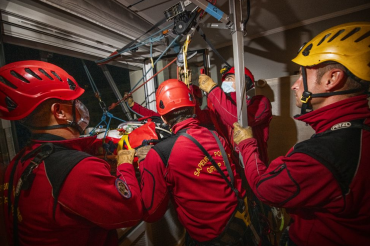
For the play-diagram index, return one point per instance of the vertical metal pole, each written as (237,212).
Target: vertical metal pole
(115,90)
(206,61)
(238,52)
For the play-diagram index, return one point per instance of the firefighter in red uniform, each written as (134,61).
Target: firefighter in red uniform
(137,108)
(56,194)
(178,169)
(223,113)
(324,181)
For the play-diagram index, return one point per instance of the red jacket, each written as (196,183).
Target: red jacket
(223,112)
(326,210)
(89,205)
(143,111)
(203,200)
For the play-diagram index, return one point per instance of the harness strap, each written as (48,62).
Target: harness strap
(224,156)
(11,180)
(26,179)
(214,162)
(238,230)
(306,95)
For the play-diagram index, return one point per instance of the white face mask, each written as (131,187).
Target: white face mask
(227,86)
(82,124)
(84,113)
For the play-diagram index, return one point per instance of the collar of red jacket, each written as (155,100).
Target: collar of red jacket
(352,108)
(233,96)
(77,143)
(188,123)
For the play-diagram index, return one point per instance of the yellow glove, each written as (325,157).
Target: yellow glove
(142,152)
(125,156)
(129,100)
(206,83)
(241,133)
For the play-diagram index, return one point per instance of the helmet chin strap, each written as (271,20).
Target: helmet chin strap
(306,95)
(72,123)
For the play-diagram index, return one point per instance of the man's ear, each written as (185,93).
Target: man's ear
(335,79)
(58,111)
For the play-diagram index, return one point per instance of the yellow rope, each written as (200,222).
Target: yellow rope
(184,52)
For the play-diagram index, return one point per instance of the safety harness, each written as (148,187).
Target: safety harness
(58,162)
(237,230)
(338,149)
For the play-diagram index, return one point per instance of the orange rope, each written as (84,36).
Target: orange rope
(113,105)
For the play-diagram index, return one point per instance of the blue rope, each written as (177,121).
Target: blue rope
(133,110)
(147,40)
(91,80)
(168,47)
(101,103)
(103,119)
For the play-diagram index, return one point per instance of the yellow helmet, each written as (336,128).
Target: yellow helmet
(347,44)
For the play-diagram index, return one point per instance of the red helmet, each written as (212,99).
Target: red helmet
(247,73)
(173,94)
(26,84)
(232,71)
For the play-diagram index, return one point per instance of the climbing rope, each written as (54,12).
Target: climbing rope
(102,105)
(113,105)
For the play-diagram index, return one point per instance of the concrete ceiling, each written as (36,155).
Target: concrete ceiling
(266,16)
(100,27)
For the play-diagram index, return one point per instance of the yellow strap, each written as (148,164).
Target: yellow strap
(245,214)
(151,59)
(124,139)
(305,100)
(282,223)
(184,52)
